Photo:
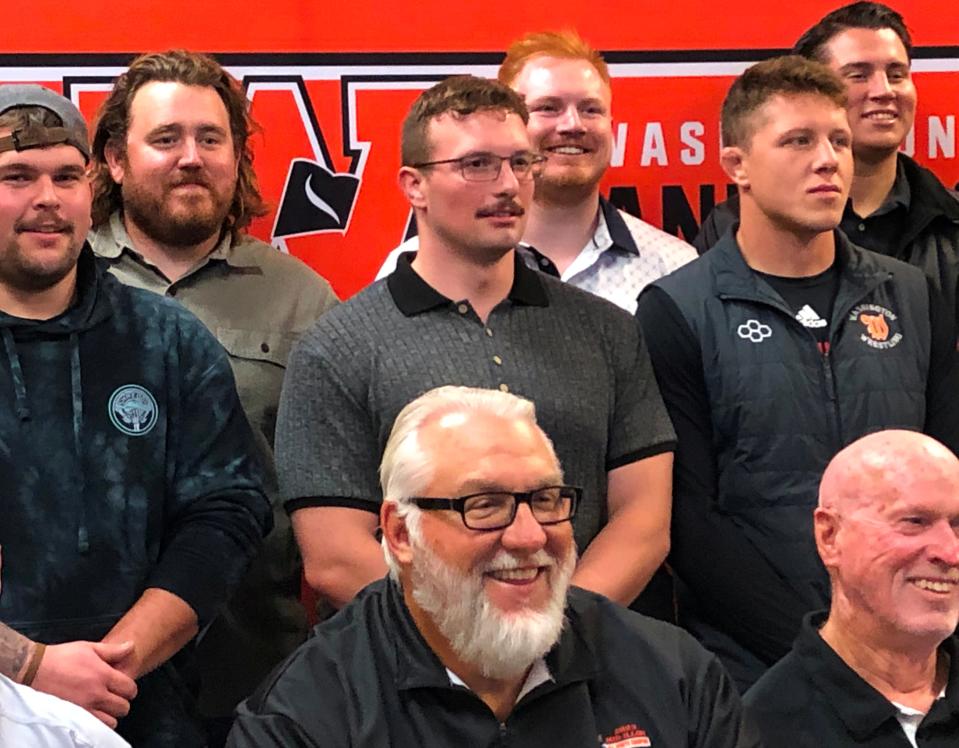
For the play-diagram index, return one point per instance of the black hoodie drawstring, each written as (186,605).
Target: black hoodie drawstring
(83,535)
(19,386)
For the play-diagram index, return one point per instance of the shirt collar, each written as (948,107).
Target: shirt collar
(900,196)
(112,240)
(615,226)
(901,193)
(413,295)
(861,707)
(537,676)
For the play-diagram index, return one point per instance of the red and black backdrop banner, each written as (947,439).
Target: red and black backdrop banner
(331,82)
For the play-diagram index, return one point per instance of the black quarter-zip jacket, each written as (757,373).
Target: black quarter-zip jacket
(367,679)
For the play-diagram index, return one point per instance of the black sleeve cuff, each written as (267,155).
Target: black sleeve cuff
(348,502)
(642,454)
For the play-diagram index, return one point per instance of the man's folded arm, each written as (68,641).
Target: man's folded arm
(622,558)
(339,548)
(159,624)
(327,455)
(85,673)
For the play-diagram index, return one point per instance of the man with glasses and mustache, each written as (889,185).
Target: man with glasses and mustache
(476,636)
(573,232)
(467,310)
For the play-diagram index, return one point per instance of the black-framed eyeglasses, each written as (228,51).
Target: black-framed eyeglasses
(494,510)
(486,167)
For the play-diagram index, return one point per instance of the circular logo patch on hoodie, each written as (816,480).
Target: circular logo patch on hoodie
(133,410)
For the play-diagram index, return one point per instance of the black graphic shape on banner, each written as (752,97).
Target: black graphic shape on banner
(314,200)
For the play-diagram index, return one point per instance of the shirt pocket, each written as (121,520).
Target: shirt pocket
(258,359)
(256,345)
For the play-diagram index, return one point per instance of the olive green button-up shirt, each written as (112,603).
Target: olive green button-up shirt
(256,301)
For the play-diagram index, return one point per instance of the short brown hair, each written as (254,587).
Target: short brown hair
(190,69)
(566,44)
(459,95)
(790,76)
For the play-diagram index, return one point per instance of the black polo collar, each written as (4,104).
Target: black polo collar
(618,230)
(899,197)
(413,295)
(861,707)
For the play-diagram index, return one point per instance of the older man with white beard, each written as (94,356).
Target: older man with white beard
(475,637)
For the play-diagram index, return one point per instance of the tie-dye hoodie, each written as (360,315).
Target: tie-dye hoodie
(125,463)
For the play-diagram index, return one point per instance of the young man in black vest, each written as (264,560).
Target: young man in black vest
(895,206)
(773,351)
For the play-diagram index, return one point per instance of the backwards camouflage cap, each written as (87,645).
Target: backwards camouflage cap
(73,131)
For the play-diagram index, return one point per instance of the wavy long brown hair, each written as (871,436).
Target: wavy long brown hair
(191,69)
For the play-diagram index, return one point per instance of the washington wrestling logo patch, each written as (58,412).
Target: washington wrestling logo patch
(880,326)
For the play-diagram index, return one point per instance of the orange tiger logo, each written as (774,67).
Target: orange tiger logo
(876,326)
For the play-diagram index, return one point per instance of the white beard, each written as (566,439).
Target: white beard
(501,645)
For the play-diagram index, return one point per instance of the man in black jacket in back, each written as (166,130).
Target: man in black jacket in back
(896,207)
(774,350)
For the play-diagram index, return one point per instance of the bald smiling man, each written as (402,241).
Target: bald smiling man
(883,669)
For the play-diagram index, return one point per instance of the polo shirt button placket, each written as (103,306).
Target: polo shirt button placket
(496,359)
(462,308)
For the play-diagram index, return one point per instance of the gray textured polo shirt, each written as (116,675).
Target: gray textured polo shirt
(578,357)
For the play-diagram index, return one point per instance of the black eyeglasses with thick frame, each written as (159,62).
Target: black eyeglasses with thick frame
(495,510)
(486,167)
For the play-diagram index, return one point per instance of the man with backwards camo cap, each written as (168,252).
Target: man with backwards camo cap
(132,499)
